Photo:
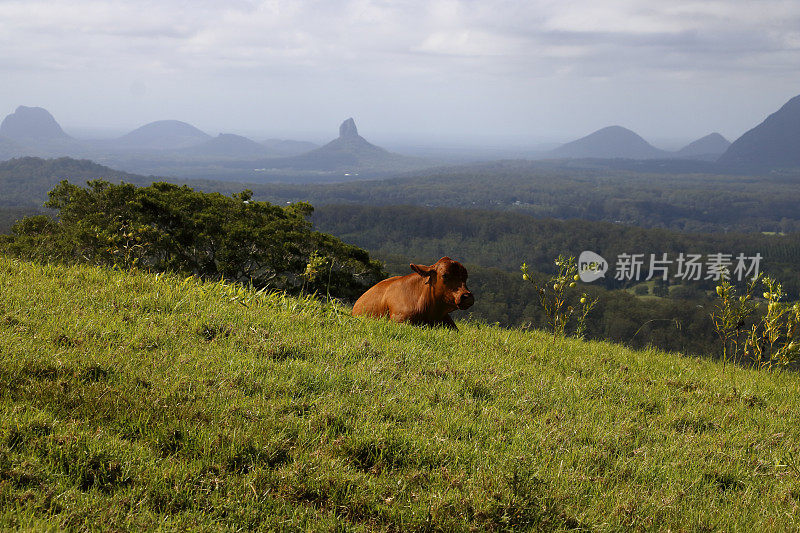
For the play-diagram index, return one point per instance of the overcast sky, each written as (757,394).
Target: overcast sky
(429,70)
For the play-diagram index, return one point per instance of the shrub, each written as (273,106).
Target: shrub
(555,298)
(766,333)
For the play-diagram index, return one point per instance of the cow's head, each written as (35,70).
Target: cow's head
(449,281)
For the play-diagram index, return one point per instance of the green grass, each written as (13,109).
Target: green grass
(140,401)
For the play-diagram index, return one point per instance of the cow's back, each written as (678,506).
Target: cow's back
(375,302)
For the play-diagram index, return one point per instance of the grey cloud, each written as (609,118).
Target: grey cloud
(439,56)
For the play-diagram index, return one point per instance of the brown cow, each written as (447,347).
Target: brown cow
(425,297)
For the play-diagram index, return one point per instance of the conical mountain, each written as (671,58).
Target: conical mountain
(162,135)
(709,147)
(228,145)
(609,143)
(773,144)
(348,152)
(349,143)
(32,124)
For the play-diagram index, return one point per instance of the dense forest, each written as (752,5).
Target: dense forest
(682,202)
(9,215)
(506,240)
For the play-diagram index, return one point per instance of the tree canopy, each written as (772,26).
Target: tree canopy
(166,227)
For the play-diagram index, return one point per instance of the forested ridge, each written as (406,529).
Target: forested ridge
(505,240)
(25,181)
(680,202)
(688,202)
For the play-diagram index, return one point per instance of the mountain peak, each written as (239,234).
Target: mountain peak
(31,123)
(348,129)
(608,143)
(712,144)
(775,143)
(163,135)
(349,153)
(228,145)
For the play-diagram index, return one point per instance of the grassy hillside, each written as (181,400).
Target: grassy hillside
(132,401)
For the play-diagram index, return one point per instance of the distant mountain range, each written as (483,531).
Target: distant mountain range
(175,148)
(772,145)
(350,153)
(616,142)
(228,145)
(236,147)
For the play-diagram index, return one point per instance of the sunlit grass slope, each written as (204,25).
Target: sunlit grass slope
(137,401)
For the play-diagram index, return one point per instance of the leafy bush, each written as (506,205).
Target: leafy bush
(555,299)
(765,333)
(164,227)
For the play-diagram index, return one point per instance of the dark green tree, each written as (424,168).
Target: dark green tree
(166,227)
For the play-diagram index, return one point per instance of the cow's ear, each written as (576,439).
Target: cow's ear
(424,271)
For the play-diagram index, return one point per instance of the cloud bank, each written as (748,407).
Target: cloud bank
(525,68)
